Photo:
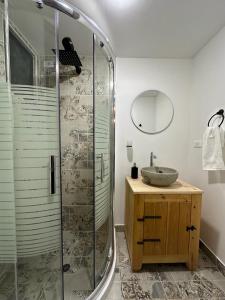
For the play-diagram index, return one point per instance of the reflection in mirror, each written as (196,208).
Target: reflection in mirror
(152,111)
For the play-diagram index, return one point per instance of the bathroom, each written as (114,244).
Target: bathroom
(75,77)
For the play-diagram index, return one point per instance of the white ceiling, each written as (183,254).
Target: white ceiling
(157,28)
(136,28)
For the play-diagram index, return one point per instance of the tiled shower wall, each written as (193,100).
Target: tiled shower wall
(76,114)
(77,163)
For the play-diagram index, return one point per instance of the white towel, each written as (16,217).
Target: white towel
(212,152)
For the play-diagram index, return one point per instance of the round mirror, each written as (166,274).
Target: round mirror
(152,111)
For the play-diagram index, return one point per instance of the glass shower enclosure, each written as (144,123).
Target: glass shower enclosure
(56,154)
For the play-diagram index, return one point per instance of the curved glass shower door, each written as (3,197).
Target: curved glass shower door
(37,201)
(76,127)
(34,95)
(7,195)
(104,159)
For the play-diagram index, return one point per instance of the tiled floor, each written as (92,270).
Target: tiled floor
(78,252)
(40,279)
(7,281)
(166,281)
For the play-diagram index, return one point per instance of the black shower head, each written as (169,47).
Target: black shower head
(69,56)
(68,44)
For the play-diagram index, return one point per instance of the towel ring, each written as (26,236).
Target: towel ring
(219,113)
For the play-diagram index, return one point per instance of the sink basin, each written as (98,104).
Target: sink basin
(159,176)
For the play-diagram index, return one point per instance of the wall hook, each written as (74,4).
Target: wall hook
(219,113)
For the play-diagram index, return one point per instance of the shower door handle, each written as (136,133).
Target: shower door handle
(100,156)
(52,175)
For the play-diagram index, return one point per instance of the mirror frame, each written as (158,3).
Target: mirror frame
(147,132)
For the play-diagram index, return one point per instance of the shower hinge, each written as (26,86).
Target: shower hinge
(39,3)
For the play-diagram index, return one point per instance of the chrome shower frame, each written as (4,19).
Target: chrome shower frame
(80,16)
(102,289)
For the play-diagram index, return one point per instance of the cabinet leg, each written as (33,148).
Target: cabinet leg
(192,263)
(191,267)
(136,266)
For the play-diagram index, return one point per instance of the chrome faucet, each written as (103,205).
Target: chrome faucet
(152,157)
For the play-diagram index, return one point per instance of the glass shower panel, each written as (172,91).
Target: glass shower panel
(103,160)
(76,123)
(7,196)
(34,93)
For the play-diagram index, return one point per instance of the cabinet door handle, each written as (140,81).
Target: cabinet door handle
(149,217)
(191,228)
(148,241)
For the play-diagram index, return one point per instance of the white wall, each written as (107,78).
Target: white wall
(197,90)
(208,97)
(134,76)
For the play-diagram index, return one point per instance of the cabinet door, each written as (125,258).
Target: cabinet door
(179,217)
(155,223)
(166,218)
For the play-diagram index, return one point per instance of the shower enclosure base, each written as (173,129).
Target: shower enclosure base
(101,291)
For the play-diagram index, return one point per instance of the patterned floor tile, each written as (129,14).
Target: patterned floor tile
(210,273)
(128,290)
(193,290)
(126,274)
(149,290)
(220,284)
(154,281)
(165,276)
(185,276)
(171,289)
(212,288)
(169,281)
(80,295)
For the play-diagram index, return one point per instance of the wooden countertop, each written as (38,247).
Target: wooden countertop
(179,187)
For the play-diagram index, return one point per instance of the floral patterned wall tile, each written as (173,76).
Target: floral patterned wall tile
(80,196)
(2,64)
(78,218)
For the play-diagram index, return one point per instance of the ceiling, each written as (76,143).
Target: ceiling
(157,28)
(136,28)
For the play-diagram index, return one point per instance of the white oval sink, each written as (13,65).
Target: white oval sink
(159,176)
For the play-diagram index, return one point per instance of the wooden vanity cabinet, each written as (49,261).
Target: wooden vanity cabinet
(162,225)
